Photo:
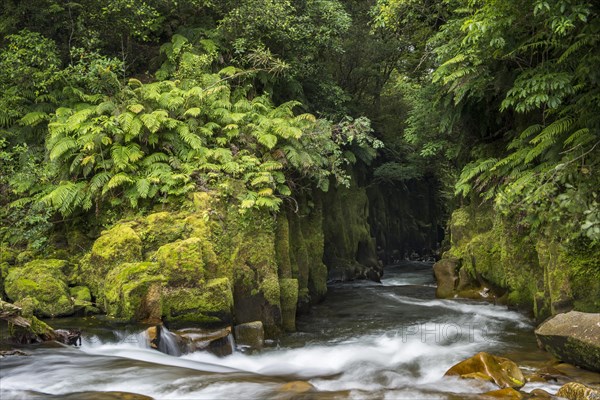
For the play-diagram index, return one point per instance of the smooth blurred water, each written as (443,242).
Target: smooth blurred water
(375,341)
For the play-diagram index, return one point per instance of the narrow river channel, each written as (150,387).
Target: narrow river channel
(392,340)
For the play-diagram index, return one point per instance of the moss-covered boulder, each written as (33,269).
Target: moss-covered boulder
(161,228)
(502,371)
(118,245)
(132,291)
(43,281)
(82,300)
(210,304)
(250,334)
(187,262)
(573,337)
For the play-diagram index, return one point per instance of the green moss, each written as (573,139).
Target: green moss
(161,228)
(187,262)
(4,268)
(318,281)
(289,302)
(128,290)
(460,218)
(270,290)
(202,201)
(28,306)
(24,257)
(40,328)
(116,246)
(45,283)
(282,246)
(209,304)
(584,274)
(7,255)
(81,293)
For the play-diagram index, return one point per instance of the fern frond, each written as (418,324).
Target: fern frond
(119,179)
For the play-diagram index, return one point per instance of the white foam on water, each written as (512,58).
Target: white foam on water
(478,310)
(404,361)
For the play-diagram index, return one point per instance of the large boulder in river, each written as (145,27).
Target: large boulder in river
(206,305)
(43,284)
(250,334)
(573,337)
(578,391)
(446,275)
(502,371)
(133,291)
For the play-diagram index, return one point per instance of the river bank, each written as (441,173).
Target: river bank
(367,340)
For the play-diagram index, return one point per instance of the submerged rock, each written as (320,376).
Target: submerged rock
(573,337)
(6,353)
(297,387)
(250,334)
(103,396)
(502,371)
(506,393)
(578,391)
(219,343)
(539,394)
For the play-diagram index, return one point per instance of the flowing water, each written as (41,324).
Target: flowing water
(374,341)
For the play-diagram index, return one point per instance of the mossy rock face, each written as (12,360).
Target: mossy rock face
(484,366)
(584,274)
(161,228)
(82,300)
(208,305)
(289,302)
(317,282)
(133,291)
(45,283)
(4,267)
(116,246)
(257,298)
(81,294)
(187,262)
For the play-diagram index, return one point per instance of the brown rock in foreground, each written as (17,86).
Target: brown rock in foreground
(578,391)
(502,371)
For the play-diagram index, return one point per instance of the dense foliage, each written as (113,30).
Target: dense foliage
(105,109)
(515,90)
(107,106)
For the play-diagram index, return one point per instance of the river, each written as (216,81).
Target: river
(392,340)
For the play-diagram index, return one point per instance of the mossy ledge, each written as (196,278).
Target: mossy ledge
(536,272)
